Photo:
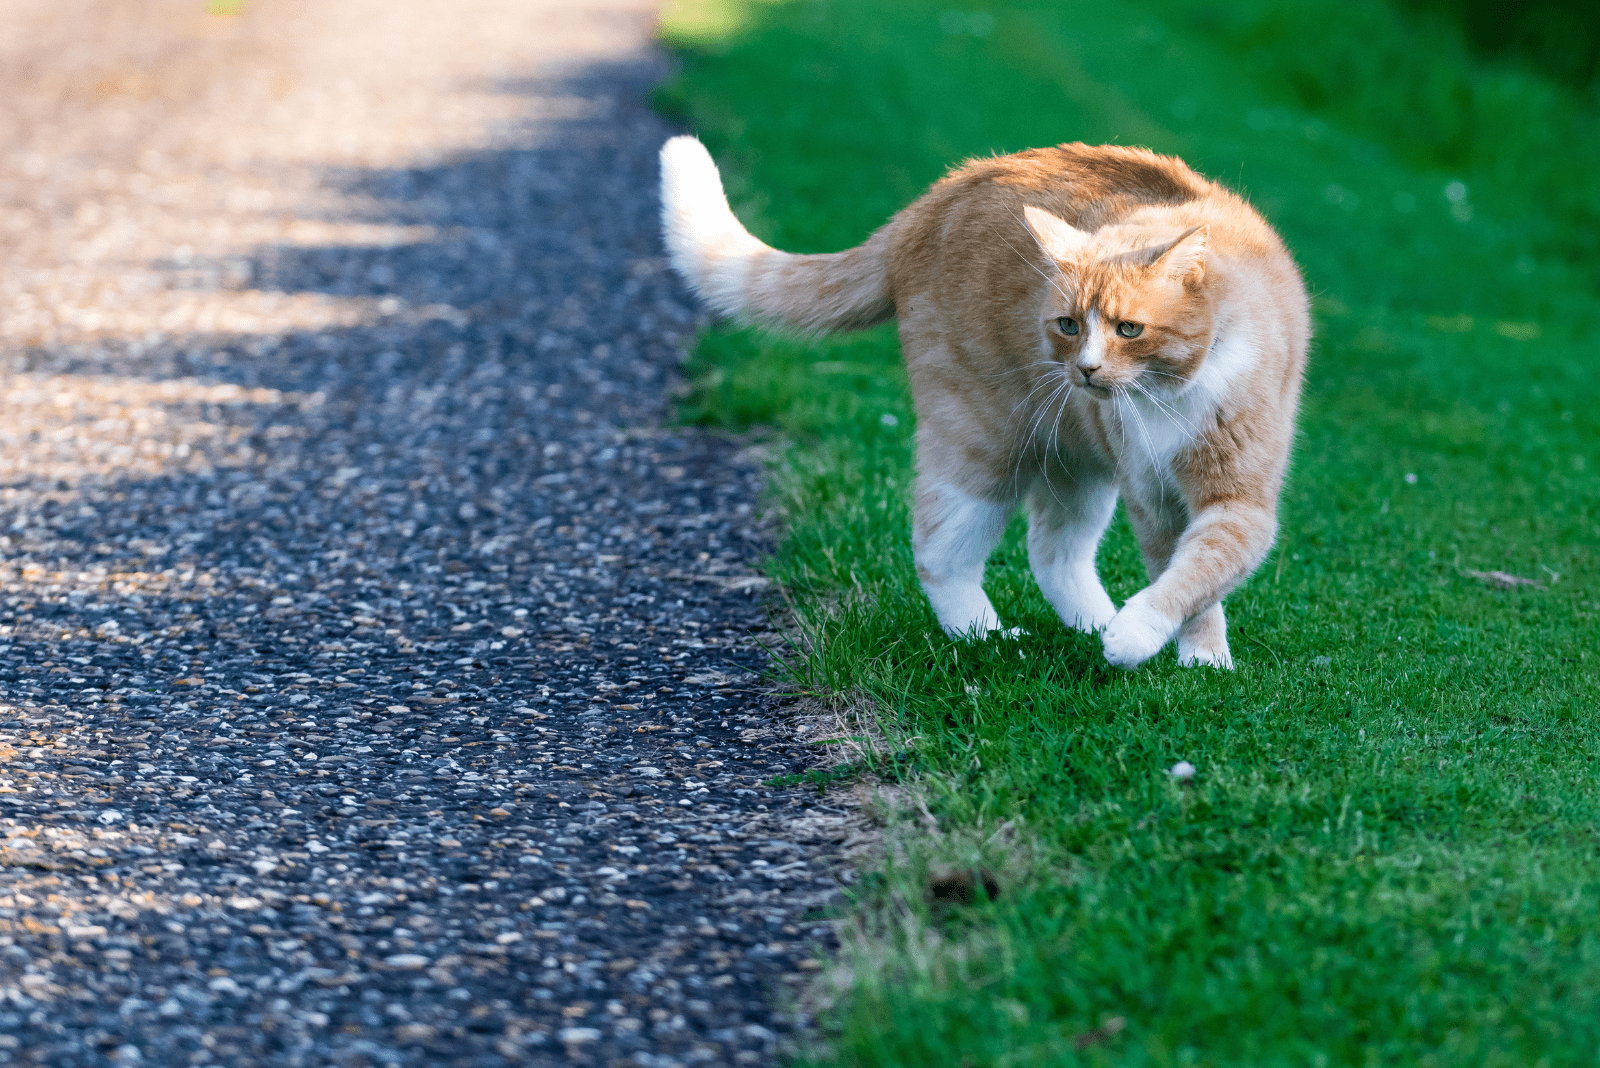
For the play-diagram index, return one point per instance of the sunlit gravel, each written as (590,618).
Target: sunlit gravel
(379,677)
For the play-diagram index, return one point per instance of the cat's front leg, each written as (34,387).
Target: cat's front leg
(952,535)
(1219,548)
(1138,632)
(1065,523)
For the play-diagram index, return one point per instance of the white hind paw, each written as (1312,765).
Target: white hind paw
(1136,633)
(1203,641)
(1204,655)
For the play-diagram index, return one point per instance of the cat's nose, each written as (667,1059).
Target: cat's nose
(1087,373)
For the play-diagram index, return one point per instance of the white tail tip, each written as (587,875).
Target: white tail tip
(705,242)
(685,162)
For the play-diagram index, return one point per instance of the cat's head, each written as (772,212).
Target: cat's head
(1127,306)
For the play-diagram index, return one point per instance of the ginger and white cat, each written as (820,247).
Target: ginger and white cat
(1079,322)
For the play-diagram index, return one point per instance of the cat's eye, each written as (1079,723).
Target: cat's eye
(1129,329)
(1067,326)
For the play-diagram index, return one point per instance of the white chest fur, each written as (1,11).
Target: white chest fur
(1157,423)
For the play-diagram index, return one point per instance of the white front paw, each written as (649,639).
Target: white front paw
(1137,633)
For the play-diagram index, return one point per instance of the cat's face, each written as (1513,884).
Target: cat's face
(1126,308)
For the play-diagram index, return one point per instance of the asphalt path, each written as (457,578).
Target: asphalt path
(378,671)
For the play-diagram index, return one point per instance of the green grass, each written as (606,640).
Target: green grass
(1391,852)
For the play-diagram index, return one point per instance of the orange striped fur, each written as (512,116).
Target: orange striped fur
(1080,323)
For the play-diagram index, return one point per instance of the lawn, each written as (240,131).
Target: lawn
(1390,853)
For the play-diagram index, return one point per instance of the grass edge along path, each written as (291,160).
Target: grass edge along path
(1388,852)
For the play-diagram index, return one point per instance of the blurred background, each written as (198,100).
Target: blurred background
(1559,38)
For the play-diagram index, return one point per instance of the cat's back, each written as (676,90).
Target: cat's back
(1088,185)
(1109,179)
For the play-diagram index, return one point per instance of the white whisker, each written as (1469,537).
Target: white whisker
(1053,283)
(1036,426)
(1055,435)
(1149,446)
(1167,408)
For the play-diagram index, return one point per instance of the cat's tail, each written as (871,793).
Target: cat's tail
(737,275)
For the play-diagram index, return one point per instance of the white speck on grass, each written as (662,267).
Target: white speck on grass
(888,420)
(1182,770)
(1411,478)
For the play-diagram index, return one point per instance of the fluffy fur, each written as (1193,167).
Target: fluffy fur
(1080,323)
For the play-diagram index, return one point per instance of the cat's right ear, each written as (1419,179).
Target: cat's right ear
(1059,239)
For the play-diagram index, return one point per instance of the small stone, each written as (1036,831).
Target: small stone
(575,1036)
(407,961)
(109,817)
(245,904)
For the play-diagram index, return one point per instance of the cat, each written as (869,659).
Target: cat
(1079,323)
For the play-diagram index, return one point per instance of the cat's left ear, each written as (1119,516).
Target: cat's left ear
(1059,238)
(1185,259)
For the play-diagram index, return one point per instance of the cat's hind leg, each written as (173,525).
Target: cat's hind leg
(1203,640)
(952,535)
(1065,523)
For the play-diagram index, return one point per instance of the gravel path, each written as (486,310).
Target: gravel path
(376,672)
